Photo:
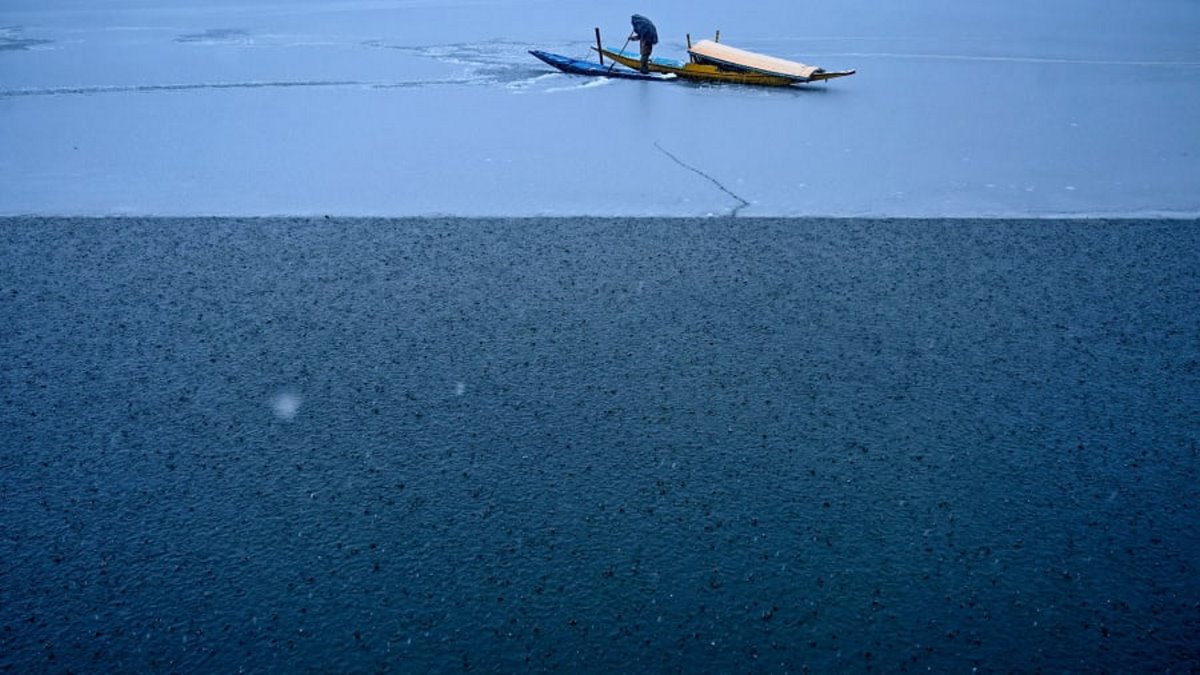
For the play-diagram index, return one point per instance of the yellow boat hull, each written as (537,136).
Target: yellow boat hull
(695,71)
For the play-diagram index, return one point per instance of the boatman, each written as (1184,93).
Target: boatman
(645,33)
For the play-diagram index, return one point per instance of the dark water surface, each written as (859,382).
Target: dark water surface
(599,445)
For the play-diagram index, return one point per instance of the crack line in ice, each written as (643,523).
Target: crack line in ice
(712,180)
(145,88)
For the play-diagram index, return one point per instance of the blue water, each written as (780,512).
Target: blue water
(599,445)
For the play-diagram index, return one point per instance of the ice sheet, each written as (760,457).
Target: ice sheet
(420,107)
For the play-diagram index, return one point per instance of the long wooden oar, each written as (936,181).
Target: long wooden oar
(614,63)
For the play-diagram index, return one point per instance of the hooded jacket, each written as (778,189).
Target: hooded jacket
(644,29)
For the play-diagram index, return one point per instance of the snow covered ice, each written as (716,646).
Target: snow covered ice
(414,107)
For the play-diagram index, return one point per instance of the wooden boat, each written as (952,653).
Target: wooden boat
(695,71)
(731,58)
(577,67)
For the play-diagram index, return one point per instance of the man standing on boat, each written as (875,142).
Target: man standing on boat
(645,33)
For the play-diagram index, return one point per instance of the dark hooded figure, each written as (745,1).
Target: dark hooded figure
(645,33)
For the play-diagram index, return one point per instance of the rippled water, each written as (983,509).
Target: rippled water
(698,445)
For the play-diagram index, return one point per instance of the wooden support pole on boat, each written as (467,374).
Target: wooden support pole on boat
(718,38)
(599,50)
(689,37)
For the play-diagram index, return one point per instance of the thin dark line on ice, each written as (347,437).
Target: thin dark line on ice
(148,88)
(743,203)
(152,88)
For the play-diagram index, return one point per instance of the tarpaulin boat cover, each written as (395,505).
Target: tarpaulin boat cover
(739,59)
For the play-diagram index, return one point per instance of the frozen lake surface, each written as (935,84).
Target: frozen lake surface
(413,107)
